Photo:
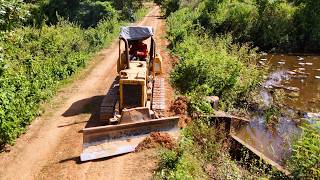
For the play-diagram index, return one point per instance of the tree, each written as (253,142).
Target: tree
(12,13)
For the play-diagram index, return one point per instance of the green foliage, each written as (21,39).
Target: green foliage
(12,13)
(35,61)
(85,12)
(181,23)
(127,8)
(182,166)
(275,26)
(226,69)
(272,114)
(221,17)
(170,6)
(271,25)
(200,145)
(305,160)
(307,25)
(197,101)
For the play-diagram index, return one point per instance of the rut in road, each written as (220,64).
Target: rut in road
(51,147)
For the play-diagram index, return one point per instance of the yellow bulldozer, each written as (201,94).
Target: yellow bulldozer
(134,105)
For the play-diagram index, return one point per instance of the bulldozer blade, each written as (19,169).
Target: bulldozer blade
(111,140)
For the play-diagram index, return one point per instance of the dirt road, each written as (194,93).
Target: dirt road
(51,147)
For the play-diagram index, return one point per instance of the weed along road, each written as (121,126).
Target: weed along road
(51,147)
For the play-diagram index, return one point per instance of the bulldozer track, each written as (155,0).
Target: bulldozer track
(108,104)
(158,101)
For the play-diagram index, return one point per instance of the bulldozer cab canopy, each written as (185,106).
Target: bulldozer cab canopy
(132,33)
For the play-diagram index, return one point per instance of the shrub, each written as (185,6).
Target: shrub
(284,25)
(179,166)
(170,6)
(275,27)
(200,146)
(307,20)
(197,102)
(240,20)
(222,66)
(179,25)
(85,12)
(12,13)
(305,160)
(33,63)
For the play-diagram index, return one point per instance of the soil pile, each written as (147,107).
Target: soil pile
(156,139)
(180,107)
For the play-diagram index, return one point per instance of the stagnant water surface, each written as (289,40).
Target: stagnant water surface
(303,73)
(299,76)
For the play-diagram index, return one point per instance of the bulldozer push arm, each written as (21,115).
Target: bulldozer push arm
(111,140)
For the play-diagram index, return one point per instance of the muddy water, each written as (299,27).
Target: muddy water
(274,143)
(299,76)
(303,73)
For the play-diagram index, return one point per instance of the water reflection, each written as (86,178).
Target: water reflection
(302,72)
(274,143)
(298,74)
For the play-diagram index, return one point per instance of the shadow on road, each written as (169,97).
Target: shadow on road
(88,106)
(84,106)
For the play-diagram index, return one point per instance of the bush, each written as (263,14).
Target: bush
(33,63)
(307,20)
(12,13)
(197,102)
(225,68)
(170,6)
(200,146)
(208,66)
(179,166)
(275,27)
(271,25)
(305,160)
(86,13)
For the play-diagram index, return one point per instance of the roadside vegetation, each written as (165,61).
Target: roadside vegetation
(218,43)
(305,159)
(43,43)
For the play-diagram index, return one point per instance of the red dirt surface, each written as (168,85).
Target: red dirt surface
(156,139)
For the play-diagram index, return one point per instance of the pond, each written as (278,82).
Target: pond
(302,73)
(299,77)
